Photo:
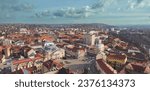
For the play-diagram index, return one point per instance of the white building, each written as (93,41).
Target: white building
(75,52)
(24,31)
(99,45)
(7,42)
(53,52)
(89,39)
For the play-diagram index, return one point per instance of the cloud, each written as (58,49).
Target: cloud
(98,5)
(72,12)
(22,7)
(25,9)
(14,5)
(43,13)
(135,4)
(8,8)
(69,12)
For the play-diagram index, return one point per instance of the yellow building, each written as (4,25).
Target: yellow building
(118,59)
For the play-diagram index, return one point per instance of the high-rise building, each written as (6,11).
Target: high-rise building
(99,45)
(89,39)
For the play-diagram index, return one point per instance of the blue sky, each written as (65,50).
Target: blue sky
(114,12)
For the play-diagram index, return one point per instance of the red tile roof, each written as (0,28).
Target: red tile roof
(138,68)
(39,55)
(75,48)
(46,38)
(105,67)
(123,71)
(117,57)
(58,64)
(21,61)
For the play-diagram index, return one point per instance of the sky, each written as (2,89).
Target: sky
(114,12)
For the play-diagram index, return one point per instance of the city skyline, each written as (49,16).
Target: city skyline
(114,12)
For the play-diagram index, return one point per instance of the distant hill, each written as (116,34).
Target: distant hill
(94,25)
(135,26)
(90,25)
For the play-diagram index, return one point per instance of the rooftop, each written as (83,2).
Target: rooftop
(22,61)
(106,67)
(117,58)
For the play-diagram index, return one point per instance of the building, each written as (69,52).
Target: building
(104,68)
(1,54)
(92,51)
(101,55)
(52,66)
(53,52)
(99,45)
(7,42)
(19,43)
(89,39)
(7,51)
(58,54)
(24,31)
(23,64)
(136,68)
(28,52)
(16,51)
(31,70)
(75,52)
(133,50)
(116,60)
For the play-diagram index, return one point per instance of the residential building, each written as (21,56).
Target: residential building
(89,39)
(7,42)
(104,68)
(75,52)
(116,61)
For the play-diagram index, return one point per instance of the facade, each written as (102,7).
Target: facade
(51,66)
(99,45)
(26,64)
(120,59)
(116,61)
(7,42)
(53,52)
(57,54)
(75,52)
(60,53)
(89,39)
